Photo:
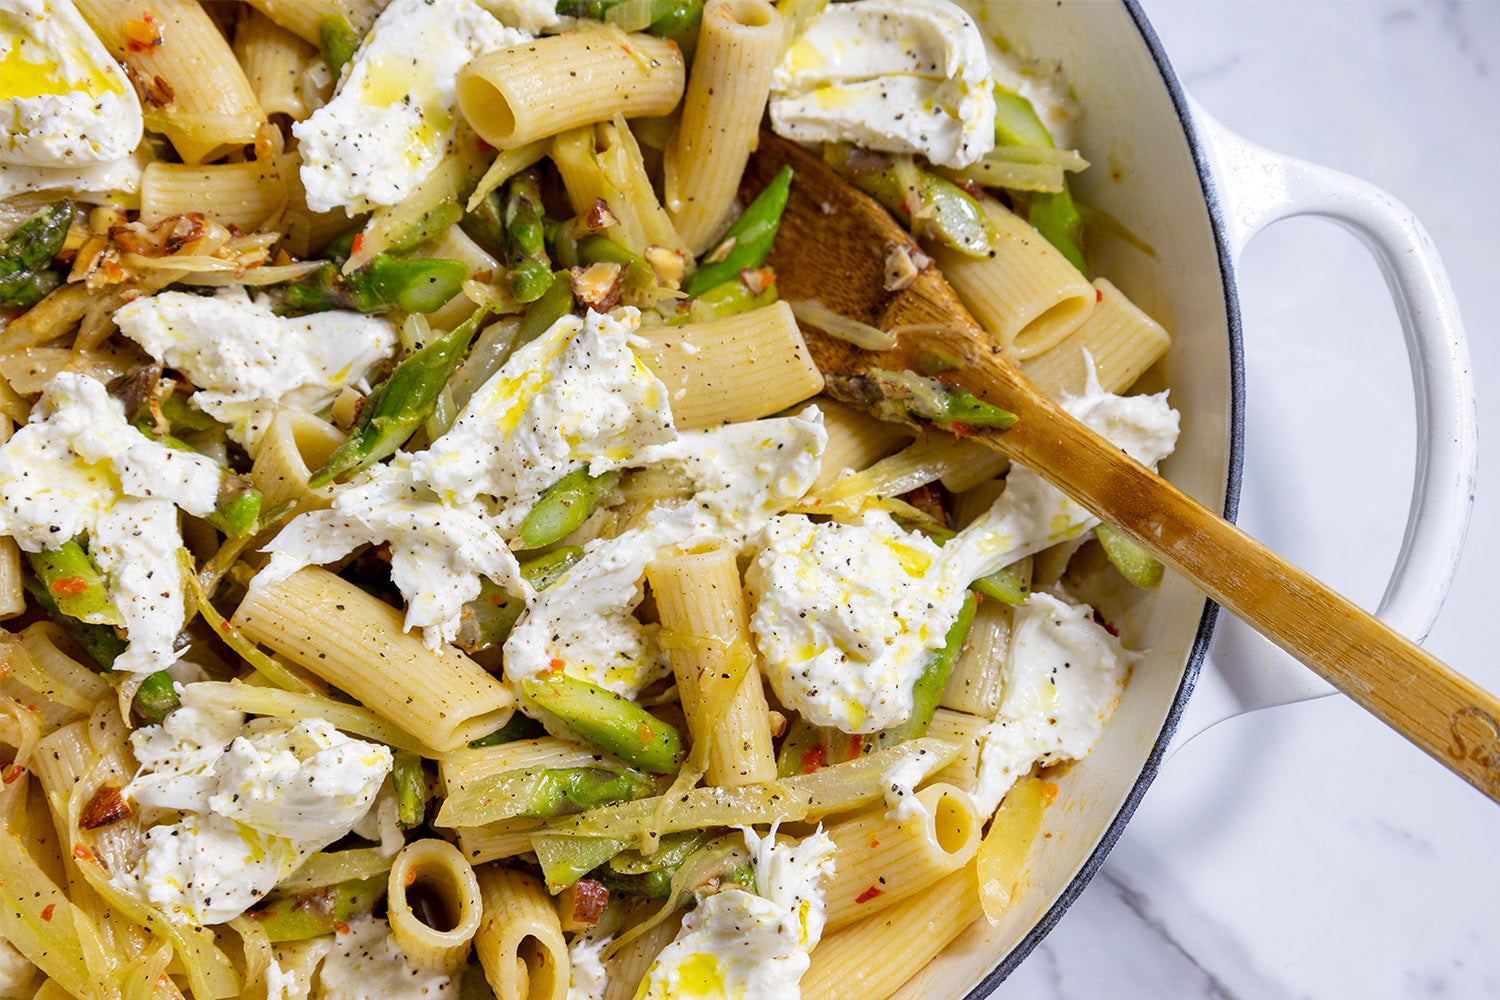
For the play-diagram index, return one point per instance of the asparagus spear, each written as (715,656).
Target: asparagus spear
(555,303)
(945,211)
(749,238)
(1002,585)
(156,696)
(933,679)
(238,513)
(724,299)
(609,721)
(338,42)
(1054,215)
(494,612)
(25,278)
(519,727)
(398,406)
(902,396)
(1136,565)
(410,782)
(651,875)
(565,505)
(678,20)
(75,584)
(557,791)
(386,283)
(313,914)
(525,244)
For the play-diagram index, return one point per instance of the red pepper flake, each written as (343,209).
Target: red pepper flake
(813,759)
(959,429)
(869,894)
(856,743)
(411,875)
(645,732)
(358,244)
(142,35)
(1099,620)
(12,773)
(1098,295)
(340,927)
(1049,791)
(226,628)
(82,853)
(69,586)
(874,843)
(47,911)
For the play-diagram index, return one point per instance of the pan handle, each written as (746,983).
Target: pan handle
(1255,188)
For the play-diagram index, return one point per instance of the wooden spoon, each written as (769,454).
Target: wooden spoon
(832,246)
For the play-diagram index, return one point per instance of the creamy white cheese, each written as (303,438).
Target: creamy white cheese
(1062,677)
(366,963)
(438,550)
(901,782)
(576,395)
(64,101)
(750,945)
(17,974)
(530,16)
(741,473)
(902,76)
(394,115)
(846,616)
(587,977)
(78,468)
(252,808)
(246,361)
(112,181)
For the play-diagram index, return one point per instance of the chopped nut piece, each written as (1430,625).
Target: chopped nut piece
(600,216)
(580,905)
(902,265)
(757,279)
(598,285)
(107,806)
(721,251)
(670,265)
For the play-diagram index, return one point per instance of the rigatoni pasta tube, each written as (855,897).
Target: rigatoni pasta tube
(242,194)
(520,942)
(274,60)
(493,841)
(12,596)
(451,891)
(304,18)
(706,632)
(1026,294)
(741,367)
(881,860)
(295,444)
(194,91)
(738,49)
(467,765)
(1118,335)
(549,85)
(355,642)
(870,959)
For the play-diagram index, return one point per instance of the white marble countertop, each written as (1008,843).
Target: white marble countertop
(1306,851)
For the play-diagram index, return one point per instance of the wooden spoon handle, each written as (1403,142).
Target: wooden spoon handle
(1446,714)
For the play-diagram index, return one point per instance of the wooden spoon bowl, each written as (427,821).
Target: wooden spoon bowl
(832,246)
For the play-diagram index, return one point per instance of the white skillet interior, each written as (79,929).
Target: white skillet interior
(1143,174)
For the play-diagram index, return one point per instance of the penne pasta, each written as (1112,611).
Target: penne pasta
(520,942)
(1121,339)
(438,937)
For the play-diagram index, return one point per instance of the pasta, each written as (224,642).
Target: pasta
(442,566)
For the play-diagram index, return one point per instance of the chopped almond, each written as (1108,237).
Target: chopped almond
(670,265)
(107,806)
(598,285)
(580,905)
(600,216)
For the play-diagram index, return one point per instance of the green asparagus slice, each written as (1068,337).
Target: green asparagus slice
(519,727)
(410,782)
(25,278)
(902,396)
(386,283)
(1054,215)
(651,875)
(156,698)
(338,42)
(313,914)
(565,505)
(399,405)
(934,678)
(595,249)
(101,642)
(494,612)
(678,20)
(525,243)
(609,721)
(749,239)
(1136,565)
(727,298)
(564,860)
(548,792)
(1002,585)
(75,584)
(555,303)
(947,212)
(238,513)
